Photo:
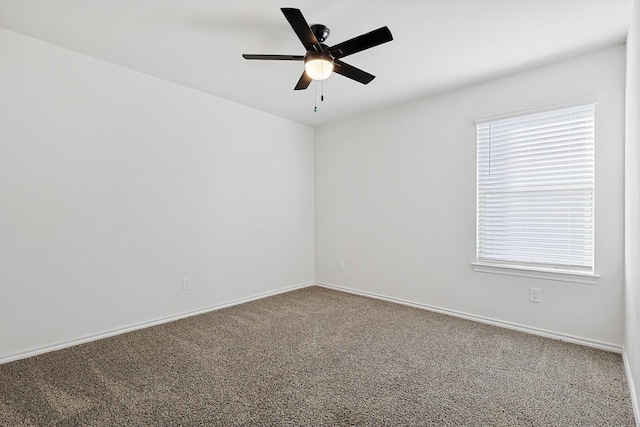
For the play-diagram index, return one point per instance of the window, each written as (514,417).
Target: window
(535,191)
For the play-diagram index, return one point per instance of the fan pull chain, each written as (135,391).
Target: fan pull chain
(315,97)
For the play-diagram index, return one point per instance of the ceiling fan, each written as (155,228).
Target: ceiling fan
(321,60)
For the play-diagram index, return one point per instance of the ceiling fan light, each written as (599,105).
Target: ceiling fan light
(318,66)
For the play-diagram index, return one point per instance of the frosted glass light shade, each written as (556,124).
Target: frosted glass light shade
(318,66)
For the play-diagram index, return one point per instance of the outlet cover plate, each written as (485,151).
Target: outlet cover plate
(535,295)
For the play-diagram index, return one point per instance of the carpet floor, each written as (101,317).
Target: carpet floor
(315,356)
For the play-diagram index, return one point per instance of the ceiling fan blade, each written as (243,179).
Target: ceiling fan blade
(274,57)
(304,82)
(362,42)
(352,72)
(301,28)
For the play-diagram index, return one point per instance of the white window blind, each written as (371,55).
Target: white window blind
(535,190)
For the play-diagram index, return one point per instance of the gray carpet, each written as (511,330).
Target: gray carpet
(318,357)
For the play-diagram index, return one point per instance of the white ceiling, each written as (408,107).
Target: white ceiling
(438,44)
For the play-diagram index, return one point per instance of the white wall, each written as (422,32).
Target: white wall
(632,209)
(395,200)
(114,185)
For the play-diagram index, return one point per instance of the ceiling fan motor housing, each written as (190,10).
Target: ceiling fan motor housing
(321,32)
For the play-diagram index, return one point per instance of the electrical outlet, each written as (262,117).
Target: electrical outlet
(186,283)
(341,265)
(535,295)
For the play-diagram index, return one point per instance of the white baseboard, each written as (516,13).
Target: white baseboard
(482,319)
(154,322)
(632,389)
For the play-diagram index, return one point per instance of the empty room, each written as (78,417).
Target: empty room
(222,212)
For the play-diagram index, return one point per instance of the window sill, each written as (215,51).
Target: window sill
(537,273)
